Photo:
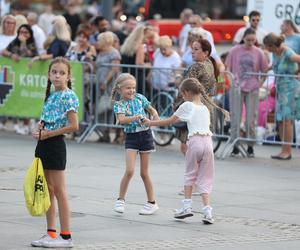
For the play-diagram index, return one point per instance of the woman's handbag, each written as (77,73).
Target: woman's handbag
(36,191)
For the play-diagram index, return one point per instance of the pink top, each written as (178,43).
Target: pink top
(240,60)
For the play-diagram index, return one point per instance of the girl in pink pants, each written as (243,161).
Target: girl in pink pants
(199,160)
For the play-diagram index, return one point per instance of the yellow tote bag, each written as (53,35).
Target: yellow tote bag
(36,189)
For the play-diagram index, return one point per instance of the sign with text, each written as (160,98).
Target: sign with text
(274,12)
(22,89)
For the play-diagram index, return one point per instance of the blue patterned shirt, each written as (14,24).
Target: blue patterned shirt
(55,109)
(136,106)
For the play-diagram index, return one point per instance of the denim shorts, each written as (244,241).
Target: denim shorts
(140,141)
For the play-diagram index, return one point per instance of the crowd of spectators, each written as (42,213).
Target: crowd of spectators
(85,35)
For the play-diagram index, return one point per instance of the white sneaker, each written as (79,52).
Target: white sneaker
(119,206)
(185,211)
(208,218)
(148,209)
(41,241)
(58,242)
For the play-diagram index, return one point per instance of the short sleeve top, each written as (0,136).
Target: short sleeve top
(136,106)
(283,65)
(197,118)
(55,109)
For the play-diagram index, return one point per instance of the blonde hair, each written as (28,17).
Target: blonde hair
(20,20)
(2,23)
(121,80)
(193,86)
(165,41)
(105,38)
(61,29)
(133,41)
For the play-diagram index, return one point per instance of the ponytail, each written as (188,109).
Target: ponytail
(47,90)
(194,86)
(216,69)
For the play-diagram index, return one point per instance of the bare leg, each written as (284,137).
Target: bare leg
(188,192)
(286,134)
(130,164)
(51,214)
(183,148)
(205,199)
(57,178)
(144,158)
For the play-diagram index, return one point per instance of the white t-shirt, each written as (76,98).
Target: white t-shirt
(39,38)
(260,34)
(164,69)
(209,37)
(5,41)
(183,35)
(45,22)
(197,118)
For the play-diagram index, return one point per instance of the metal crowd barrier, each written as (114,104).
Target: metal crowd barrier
(241,130)
(159,85)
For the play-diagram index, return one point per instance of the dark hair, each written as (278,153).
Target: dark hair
(224,55)
(249,31)
(254,13)
(292,24)
(58,59)
(273,40)
(98,19)
(206,46)
(30,40)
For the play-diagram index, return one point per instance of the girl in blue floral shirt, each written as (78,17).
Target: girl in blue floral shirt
(59,116)
(130,110)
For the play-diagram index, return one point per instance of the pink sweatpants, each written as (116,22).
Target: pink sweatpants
(199,160)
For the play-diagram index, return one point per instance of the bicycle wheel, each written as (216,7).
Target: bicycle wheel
(162,138)
(163,103)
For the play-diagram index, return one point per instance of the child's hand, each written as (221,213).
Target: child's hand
(145,121)
(44,134)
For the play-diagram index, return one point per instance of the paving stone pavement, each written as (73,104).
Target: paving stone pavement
(256,201)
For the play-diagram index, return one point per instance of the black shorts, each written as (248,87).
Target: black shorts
(140,141)
(52,152)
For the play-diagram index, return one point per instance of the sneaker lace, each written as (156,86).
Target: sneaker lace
(119,203)
(148,206)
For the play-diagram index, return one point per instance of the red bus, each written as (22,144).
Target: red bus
(222,17)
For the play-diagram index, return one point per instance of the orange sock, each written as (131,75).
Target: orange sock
(65,235)
(52,233)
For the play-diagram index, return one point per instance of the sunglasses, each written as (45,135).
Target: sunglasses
(255,20)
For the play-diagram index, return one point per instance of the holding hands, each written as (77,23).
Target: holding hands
(145,121)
